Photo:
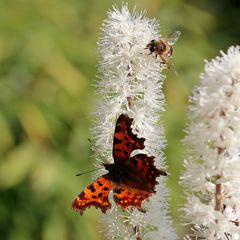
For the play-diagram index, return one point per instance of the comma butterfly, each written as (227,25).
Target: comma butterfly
(132,179)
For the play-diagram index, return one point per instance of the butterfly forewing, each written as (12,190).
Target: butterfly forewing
(125,141)
(96,194)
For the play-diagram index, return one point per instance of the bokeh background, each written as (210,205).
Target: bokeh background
(47,67)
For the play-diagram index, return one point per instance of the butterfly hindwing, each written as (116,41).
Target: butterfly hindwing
(96,194)
(145,166)
(142,183)
(130,197)
(125,141)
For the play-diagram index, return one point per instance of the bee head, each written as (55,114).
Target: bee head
(151,44)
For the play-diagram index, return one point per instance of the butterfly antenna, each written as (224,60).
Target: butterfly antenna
(79,174)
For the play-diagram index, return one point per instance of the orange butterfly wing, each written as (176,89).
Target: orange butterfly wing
(146,167)
(130,197)
(141,186)
(96,194)
(124,141)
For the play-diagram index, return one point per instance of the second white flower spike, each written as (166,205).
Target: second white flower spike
(211,176)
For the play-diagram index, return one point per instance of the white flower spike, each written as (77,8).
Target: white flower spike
(130,82)
(212,169)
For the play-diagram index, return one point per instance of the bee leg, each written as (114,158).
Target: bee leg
(163,60)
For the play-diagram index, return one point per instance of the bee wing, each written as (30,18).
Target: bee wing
(173,37)
(171,66)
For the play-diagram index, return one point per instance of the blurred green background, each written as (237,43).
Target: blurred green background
(47,67)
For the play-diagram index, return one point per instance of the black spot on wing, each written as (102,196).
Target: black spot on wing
(118,128)
(135,162)
(117,149)
(81,195)
(125,152)
(117,141)
(99,183)
(118,190)
(91,188)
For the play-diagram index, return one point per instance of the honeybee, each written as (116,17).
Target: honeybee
(164,48)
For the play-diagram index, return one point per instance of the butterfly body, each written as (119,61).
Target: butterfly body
(132,179)
(126,174)
(118,174)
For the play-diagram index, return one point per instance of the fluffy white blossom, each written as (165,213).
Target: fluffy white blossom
(212,169)
(130,82)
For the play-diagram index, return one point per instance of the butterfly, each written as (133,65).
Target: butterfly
(132,179)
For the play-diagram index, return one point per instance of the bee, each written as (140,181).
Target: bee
(163,47)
